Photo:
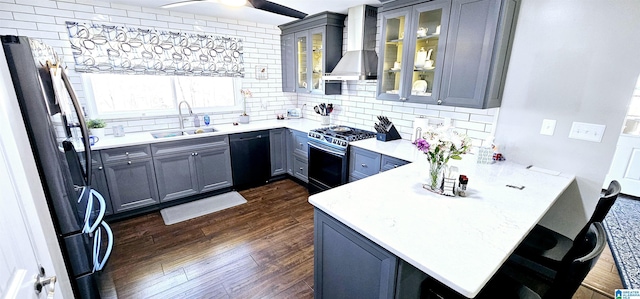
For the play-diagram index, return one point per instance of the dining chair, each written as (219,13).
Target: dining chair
(517,283)
(544,249)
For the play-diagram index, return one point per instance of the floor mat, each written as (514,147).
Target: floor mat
(201,207)
(622,225)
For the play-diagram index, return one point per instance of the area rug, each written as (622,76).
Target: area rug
(622,225)
(201,207)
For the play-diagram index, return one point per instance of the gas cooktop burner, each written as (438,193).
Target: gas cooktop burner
(340,135)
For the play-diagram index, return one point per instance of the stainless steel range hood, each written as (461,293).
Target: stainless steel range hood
(360,62)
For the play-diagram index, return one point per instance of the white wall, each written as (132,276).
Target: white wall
(572,61)
(45,19)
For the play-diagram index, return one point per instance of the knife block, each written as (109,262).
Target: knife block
(392,134)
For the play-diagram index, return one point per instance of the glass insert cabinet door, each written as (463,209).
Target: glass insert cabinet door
(302,61)
(310,64)
(317,66)
(411,65)
(430,25)
(393,54)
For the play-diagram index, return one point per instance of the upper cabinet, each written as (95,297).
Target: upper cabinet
(310,48)
(445,52)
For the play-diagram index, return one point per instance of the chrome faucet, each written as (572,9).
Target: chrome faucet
(180,113)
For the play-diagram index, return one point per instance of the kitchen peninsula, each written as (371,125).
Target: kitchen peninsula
(460,241)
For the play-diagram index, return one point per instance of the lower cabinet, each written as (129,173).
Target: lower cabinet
(297,154)
(99,183)
(348,265)
(132,184)
(278,151)
(300,168)
(364,163)
(185,168)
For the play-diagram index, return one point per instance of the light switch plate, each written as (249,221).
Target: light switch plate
(587,131)
(548,127)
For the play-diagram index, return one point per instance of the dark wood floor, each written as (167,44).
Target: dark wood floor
(261,249)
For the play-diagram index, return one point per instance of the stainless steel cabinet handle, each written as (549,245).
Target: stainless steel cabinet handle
(364,165)
(403,99)
(196,154)
(301,168)
(193,154)
(395,165)
(126,153)
(439,102)
(100,168)
(129,162)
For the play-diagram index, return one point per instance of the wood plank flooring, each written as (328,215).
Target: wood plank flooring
(261,249)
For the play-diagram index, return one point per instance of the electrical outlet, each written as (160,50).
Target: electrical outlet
(586,131)
(548,127)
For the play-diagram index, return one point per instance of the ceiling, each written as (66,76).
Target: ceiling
(247,13)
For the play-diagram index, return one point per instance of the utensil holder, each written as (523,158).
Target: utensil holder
(325,119)
(392,134)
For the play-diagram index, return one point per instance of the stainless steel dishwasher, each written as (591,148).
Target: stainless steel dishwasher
(250,159)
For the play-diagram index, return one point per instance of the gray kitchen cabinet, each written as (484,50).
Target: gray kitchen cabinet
(315,50)
(99,183)
(470,53)
(301,168)
(297,155)
(388,163)
(130,177)
(364,163)
(190,167)
(214,168)
(278,151)
(98,178)
(287,54)
(348,265)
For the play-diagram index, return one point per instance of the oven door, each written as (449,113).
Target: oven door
(327,167)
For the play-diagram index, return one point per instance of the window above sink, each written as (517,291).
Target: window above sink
(118,95)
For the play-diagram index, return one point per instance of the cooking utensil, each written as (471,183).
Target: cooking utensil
(329,108)
(316,109)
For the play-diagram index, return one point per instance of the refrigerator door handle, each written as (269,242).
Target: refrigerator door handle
(83,125)
(99,264)
(88,228)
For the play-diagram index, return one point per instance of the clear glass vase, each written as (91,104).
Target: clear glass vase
(436,175)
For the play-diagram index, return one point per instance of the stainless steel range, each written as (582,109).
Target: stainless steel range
(328,155)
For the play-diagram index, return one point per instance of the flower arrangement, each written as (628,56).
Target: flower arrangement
(246,93)
(441,144)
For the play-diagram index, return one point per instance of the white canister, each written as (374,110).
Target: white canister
(421,57)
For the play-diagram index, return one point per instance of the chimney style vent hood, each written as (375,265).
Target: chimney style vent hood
(360,62)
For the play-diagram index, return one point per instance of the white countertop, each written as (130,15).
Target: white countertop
(460,241)
(401,149)
(303,125)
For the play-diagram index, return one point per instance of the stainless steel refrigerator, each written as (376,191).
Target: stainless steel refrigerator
(60,143)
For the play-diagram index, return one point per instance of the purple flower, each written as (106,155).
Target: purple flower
(422,145)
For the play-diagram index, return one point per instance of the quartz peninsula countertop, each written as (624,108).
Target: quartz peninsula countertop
(304,125)
(460,241)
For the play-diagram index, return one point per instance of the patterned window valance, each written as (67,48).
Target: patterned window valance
(118,49)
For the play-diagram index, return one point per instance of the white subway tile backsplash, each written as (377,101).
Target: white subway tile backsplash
(142,15)
(8,31)
(75,7)
(126,7)
(52,12)
(32,18)
(481,118)
(91,2)
(170,19)
(181,14)
(124,20)
(6,15)
(110,11)
(20,24)
(16,8)
(157,11)
(41,3)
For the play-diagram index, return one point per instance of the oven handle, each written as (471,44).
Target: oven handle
(326,149)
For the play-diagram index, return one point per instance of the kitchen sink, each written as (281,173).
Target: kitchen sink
(190,131)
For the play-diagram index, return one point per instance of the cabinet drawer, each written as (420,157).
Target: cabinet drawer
(300,145)
(300,168)
(191,145)
(363,162)
(126,153)
(389,163)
